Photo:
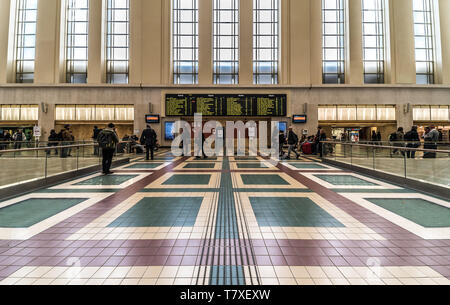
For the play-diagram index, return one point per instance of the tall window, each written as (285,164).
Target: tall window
(226,41)
(373,41)
(185,41)
(333,19)
(117,41)
(77,41)
(25,40)
(423,32)
(265,41)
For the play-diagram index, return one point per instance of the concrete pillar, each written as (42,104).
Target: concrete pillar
(316,42)
(404,119)
(402,42)
(444,12)
(245,42)
(47,42)
(135,76)
(96,53)
(205,42)
(46,119)
(4,39)
(355,71)
(300,42)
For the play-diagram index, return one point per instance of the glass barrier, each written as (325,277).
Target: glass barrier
(409,161)
(20,165)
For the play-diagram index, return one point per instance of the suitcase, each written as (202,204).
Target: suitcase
(307,148)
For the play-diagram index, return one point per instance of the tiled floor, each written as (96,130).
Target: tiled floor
(178,221)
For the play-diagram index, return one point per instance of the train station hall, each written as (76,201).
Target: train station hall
(210,143)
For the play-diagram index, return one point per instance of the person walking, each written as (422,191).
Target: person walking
(66,138)
(292,142)
(148,139)
(107,141)
(431,139)
(322,137)
(95,133)
(18,138)
(281,141)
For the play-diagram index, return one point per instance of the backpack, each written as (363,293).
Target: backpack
(295,137)
(408,136)
(105,140)
(393,137)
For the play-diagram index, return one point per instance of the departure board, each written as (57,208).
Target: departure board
(226,105)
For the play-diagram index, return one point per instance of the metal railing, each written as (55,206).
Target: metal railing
(426,164)
(25,164)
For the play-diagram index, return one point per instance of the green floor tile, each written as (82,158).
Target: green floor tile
(251,165)
(245,158)
(107,180)
(291,212)
(419,211)
(199,165)
(263,180)
(144,166)
(344,180)
(161,212)
(188,180)
(26,213)
(307,165)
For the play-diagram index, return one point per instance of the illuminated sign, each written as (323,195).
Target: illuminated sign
(152,118)
(299,119)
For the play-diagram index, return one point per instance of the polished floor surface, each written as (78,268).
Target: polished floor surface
(231,220)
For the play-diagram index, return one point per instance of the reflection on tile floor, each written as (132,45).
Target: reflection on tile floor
(236,220)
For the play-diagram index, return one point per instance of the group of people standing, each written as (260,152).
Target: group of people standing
(411,139)
(307,145)
(64,138)
(108,140)
(18,138)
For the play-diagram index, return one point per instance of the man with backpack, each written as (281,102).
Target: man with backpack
(292,142)
(148,139)
(107,141)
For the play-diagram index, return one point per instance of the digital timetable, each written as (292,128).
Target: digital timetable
(226,105)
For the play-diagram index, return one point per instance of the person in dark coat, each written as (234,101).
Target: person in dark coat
(95,133)
(148,139)
(413,141)
(53,141)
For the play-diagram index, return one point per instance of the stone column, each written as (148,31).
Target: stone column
(5,11)
(245,42)
(402,42)
(444,12)
(151,44)
(355,72)
(47,42)
(135,71)
(205,41)
(96,52)
(300,42)
(316,42)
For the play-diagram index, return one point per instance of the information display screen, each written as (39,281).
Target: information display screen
(226,105)
(299,119)
(152,118)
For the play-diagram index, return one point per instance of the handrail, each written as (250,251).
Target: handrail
(54,147)
(45,148)
(389,147)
